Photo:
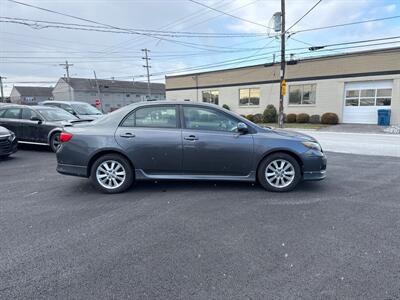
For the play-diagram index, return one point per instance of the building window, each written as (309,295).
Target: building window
(368,97)
(211,96)
(106,94)
(128,95)
(302,94)
(249,97)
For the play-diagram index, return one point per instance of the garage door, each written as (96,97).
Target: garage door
(363,99)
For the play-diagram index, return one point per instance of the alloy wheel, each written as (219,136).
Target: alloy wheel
(280,173)
(110,174)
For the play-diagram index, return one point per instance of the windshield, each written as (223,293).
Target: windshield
(56,114)
(85,109)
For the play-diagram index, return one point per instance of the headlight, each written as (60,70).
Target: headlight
(11,137)
(313,145)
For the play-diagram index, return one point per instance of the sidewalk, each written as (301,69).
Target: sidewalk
(354,128)
(380,144)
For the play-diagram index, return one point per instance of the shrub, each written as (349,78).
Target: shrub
(315,119)
(250,117)
(329,118)
(270,114)
(226,106)
(291,118)
(303,118)
(258,118)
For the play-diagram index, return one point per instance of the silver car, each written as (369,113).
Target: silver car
(186,141)
(81,110)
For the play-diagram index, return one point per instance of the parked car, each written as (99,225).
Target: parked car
(8,142)
(36,124)
(81,110)
(183,140)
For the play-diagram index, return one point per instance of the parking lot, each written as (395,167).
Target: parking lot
(335,239)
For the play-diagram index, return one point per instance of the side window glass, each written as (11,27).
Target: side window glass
(2,113)
(27,114)
(208,119)
(13,113)
(152,117)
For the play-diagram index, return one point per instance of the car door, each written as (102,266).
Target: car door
(212,145)
(152,138)
(31,129)
(11,119)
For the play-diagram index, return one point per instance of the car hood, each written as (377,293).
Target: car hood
(4,131)
(89,117)
(293,135)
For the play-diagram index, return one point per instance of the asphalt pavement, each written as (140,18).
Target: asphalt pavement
(334,239)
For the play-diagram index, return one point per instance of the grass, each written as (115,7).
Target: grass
(297,125)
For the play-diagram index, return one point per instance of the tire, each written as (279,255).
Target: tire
(4,156)
(55,141)
(280,180)
(106,181)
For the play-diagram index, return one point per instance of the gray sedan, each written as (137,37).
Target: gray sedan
(186,141)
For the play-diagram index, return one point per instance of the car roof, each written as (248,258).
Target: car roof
(28,106)
(64,102)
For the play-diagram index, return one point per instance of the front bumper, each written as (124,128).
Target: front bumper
(8,147)
(80,171)
(314,165)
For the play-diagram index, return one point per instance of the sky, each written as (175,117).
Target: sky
(31,55)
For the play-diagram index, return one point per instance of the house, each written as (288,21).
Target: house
(112,93)
(353,85)
(30,95)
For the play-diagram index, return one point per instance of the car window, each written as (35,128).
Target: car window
(208,119)
(13,113)
(56,114)
(152,116)
(67,107)
(85,109)
(2,113)
(28,113)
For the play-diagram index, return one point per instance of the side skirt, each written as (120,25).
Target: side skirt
(141,175)
(33,143)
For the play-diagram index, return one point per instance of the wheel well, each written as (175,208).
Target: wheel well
(294,155)
(105,152)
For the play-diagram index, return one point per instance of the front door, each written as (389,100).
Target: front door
(30,129)
(152,138)
(212,145)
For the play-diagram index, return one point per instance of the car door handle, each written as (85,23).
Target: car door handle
(191,138)
(127,135)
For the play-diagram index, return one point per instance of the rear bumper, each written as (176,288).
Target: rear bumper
(72,170)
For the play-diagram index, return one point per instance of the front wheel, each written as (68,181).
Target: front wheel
(111,173)
(279,172)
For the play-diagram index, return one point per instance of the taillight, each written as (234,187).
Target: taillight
(65,137)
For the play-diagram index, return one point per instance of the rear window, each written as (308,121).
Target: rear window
(152,117)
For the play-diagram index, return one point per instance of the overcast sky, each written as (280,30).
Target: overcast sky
(32,56)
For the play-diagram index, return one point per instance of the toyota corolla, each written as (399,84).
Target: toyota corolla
(186,141)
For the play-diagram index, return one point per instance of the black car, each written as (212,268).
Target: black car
(8,142)
(36,124)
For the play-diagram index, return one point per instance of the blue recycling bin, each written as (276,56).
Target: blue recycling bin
(384,117)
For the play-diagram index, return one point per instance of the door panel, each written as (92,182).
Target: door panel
(30,130)
(217,153)
(221,151)
(151,138)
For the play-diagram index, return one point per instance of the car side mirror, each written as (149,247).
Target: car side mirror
(242,128)
(37,119)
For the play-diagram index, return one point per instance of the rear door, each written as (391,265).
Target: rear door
(30,130)
(11,119)
(212,145)
(152,138)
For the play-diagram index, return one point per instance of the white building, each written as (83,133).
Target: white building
(112,93)
(354,86)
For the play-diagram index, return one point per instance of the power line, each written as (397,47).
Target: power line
(230,15)
(344,24)
(311,9)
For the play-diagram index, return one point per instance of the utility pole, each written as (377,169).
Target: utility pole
(98,91)
(282,72)
(66,67)
(147,66)
(1,88)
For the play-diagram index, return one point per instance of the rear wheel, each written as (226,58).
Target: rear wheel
(111,173)
(279,172)
(55,141)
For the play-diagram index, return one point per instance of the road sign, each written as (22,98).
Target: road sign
(98,103)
